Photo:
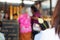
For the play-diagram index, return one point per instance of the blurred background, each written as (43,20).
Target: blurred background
(13,8)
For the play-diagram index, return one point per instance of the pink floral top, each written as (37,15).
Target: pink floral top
(25,23)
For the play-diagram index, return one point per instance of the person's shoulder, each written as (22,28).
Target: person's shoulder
(39,33)
(49,30)
(44,32)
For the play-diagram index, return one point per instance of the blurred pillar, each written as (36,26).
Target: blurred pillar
(11,12)
(50,7)
(22,1)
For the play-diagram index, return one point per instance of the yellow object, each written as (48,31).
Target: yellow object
(40,20)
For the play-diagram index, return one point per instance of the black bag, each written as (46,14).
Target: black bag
(43,27)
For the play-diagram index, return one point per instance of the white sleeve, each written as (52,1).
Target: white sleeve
(38,36)
(48,34)
(45,35)
(41,36)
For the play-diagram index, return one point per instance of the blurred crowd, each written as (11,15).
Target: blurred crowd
(31,21)
(32,25)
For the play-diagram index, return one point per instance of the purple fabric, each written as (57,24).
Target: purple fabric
(36,14)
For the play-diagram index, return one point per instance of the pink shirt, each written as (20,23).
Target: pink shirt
(25,23)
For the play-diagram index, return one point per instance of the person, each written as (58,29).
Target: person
(1,34)
(6,16)
(15,16)
(25,25)
(37,13)
(34,19)
(54,32)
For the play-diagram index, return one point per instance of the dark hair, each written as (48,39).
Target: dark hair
(15,14)
(22,4)
(56,19)
(38,2)
(34,8)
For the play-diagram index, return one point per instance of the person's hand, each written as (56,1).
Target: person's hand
(36,18)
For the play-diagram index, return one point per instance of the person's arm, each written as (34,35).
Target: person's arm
(38,36)
(43,35)
(35,18)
